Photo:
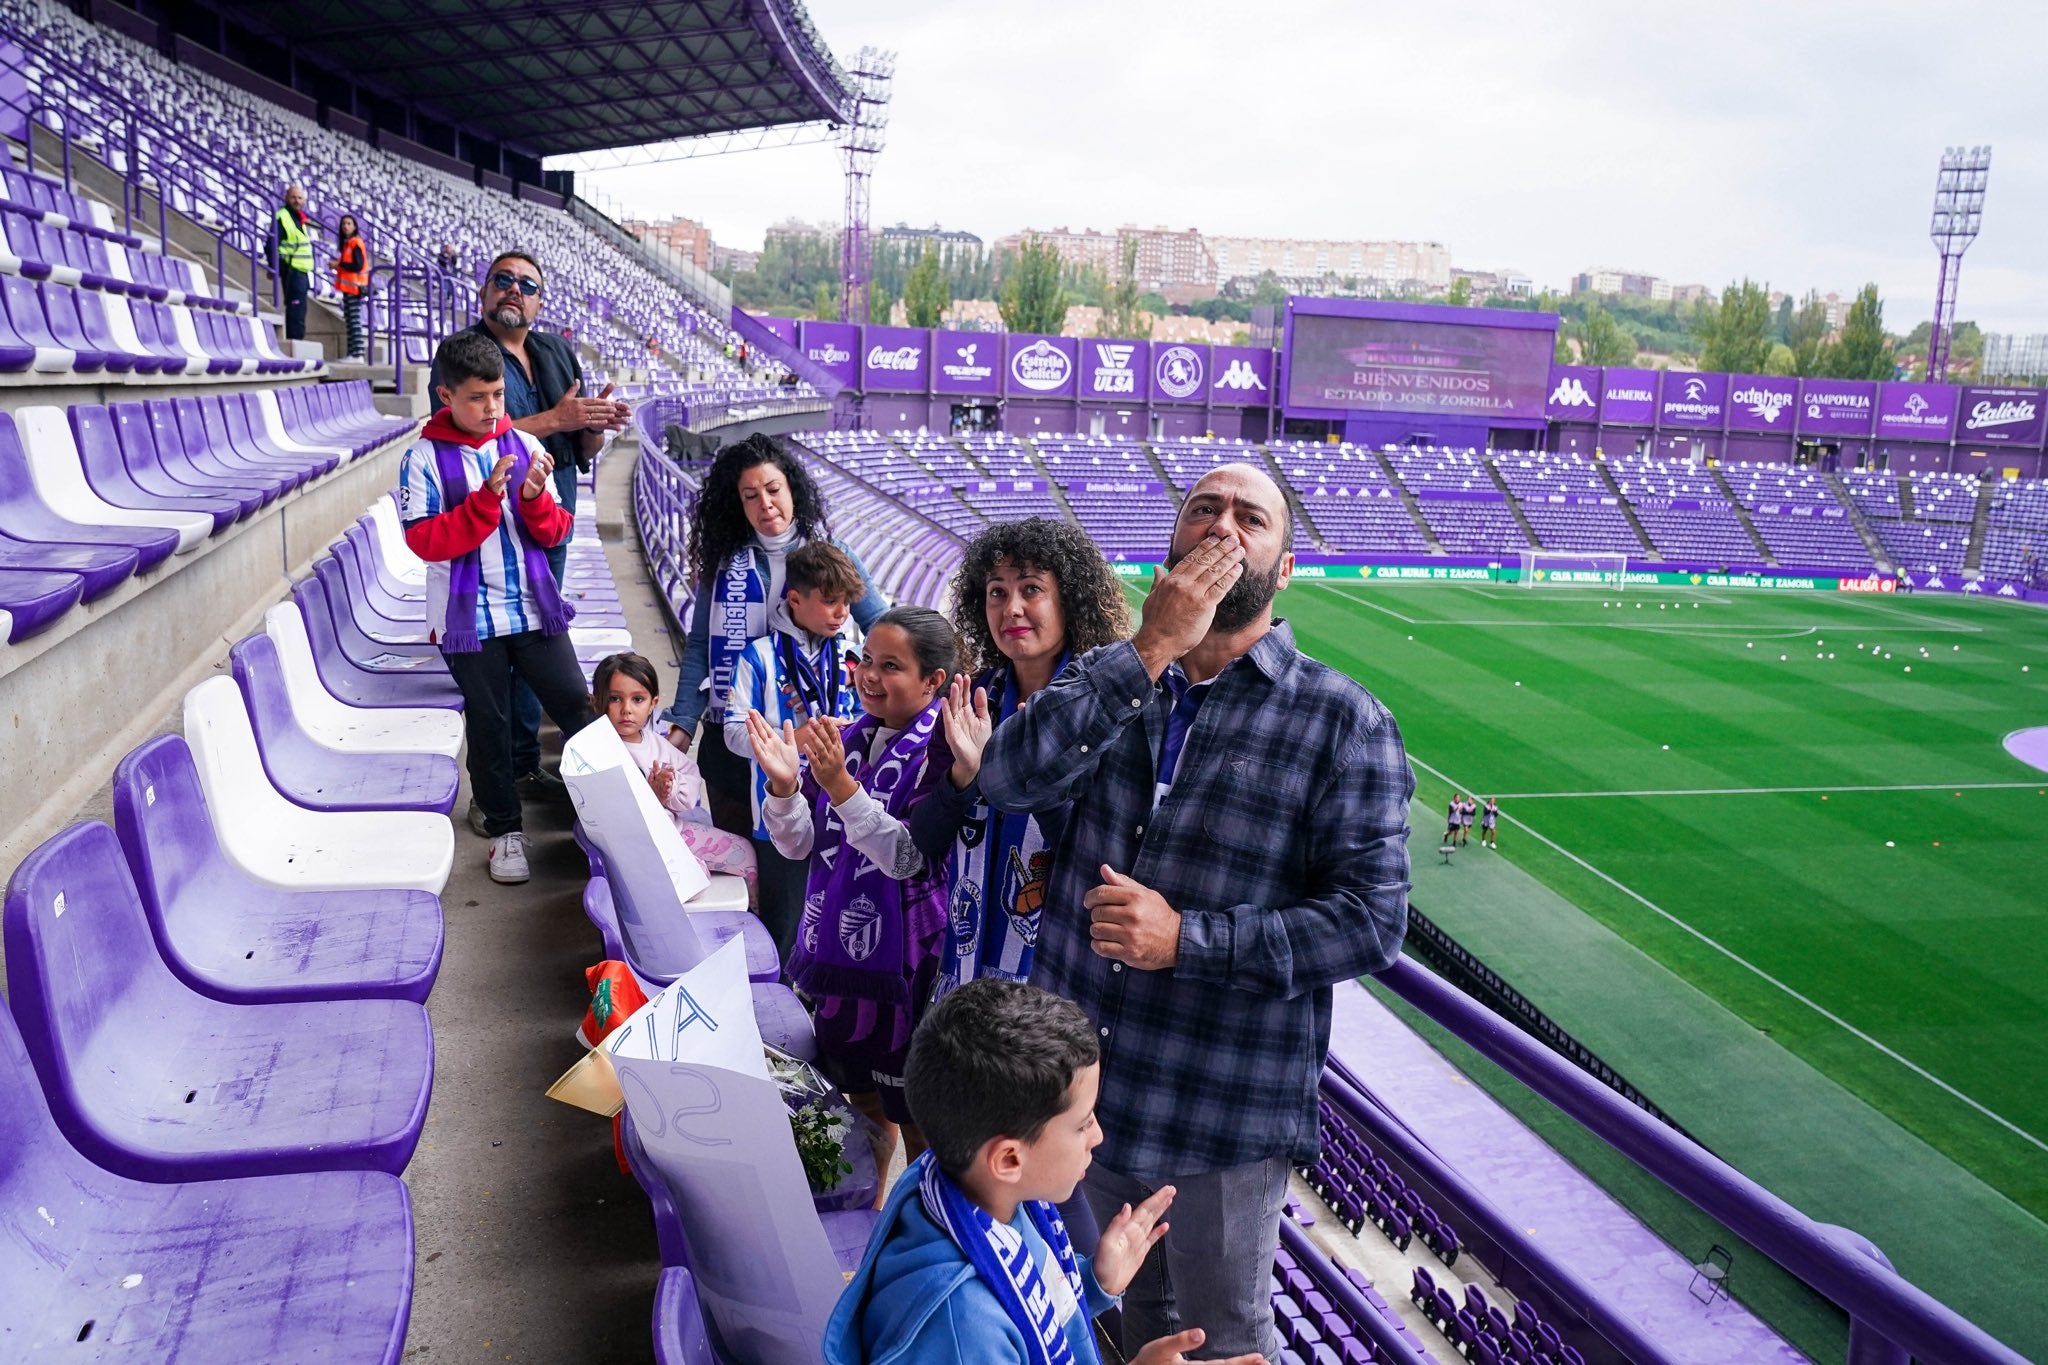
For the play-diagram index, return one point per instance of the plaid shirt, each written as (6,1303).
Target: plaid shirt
(1283,845)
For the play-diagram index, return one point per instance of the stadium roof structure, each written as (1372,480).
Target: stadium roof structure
(562,76)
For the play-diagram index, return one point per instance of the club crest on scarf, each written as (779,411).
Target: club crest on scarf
(860,928)
(867,937)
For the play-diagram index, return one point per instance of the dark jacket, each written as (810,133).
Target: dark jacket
(555,368)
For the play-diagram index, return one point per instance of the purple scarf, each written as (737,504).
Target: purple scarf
(466,572)
(867,946)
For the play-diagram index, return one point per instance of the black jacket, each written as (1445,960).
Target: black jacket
(555,368)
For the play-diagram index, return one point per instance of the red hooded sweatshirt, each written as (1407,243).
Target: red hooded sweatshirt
(468,524)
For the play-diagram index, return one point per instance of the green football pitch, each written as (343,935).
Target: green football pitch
(1797,805)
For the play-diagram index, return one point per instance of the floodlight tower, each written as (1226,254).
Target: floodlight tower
(1958,209)
(872,74)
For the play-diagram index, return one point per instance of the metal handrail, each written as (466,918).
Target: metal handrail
(1888,1313)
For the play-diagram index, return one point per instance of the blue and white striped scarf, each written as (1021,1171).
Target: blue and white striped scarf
(1003,1260)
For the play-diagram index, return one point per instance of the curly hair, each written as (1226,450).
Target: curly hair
(718,523)
(1092,602)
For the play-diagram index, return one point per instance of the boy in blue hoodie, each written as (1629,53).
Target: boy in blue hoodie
(969,1260)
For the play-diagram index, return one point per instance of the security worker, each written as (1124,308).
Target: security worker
(293,251)
(352,280)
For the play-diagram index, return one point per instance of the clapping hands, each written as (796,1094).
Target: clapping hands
(775,753)
(820,742)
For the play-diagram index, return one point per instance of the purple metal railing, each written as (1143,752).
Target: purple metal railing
(758,335)
(1889,1315)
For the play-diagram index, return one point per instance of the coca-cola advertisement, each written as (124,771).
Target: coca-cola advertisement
(893,359)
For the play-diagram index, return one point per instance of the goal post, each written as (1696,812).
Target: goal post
(1566,568)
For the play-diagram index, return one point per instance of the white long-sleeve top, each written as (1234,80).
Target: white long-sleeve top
(875,834)
(686,796)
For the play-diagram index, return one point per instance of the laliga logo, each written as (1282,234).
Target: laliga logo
(1113,372)
(1178,372)
(902,358)
(2000,414)
(1764,403)
(1570,393)
(1041,367)
(1240,375)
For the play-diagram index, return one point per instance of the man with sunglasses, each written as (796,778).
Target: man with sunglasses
(544,397)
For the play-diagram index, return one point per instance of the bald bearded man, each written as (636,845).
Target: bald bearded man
(1237,845)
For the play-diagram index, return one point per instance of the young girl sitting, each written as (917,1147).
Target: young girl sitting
(627,690)
(867,948)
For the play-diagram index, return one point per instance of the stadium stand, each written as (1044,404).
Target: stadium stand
(267,897)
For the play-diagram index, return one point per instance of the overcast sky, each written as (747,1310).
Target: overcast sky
(1795,142)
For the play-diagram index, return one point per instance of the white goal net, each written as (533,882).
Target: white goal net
(1565,569)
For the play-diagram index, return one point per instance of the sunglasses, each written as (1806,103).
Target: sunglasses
(506,280)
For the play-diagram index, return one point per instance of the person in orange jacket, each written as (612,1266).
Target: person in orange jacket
(352,280)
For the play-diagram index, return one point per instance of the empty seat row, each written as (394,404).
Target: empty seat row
(91,495)
(215,1059)
(56,328)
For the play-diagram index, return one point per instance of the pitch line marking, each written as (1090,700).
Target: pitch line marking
(1776,791)
(1743,962)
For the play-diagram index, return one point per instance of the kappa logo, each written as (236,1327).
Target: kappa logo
(1240,375)
(1113,372)
(1178,372)
(1570,393)
(1041,367)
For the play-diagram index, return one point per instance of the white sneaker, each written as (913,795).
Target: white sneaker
(508,858)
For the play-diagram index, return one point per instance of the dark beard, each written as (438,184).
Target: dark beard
(1251,594)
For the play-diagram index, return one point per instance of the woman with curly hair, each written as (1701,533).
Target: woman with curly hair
(1029,596)
(756,505)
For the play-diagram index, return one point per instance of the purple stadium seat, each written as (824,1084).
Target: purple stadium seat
(354,623)
(714,927)
(60,307)
(154,1081)
(25,517)
(394,596)
(375,610)
(359,686)
(136,436)
(33,599)
(195,447)
(99,335)
(846,1230)
(228,423)
(95,1266)
(32,325)
(680,1337)
(231,937)
(308,773)
(99,448)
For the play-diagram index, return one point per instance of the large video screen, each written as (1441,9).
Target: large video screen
(1384,365)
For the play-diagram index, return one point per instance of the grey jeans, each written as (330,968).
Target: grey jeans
(1217,1258)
